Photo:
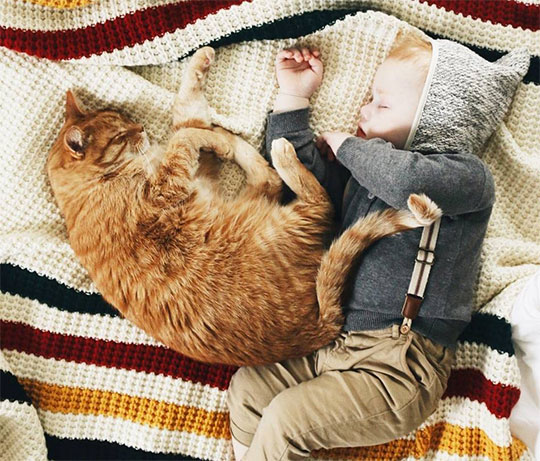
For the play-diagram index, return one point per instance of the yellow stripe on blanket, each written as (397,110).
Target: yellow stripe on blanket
(61,3)
(164,415)
(440,437)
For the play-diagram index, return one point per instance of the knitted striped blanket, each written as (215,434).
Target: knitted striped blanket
(80,382)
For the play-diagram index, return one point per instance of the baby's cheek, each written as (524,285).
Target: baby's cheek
(399,136)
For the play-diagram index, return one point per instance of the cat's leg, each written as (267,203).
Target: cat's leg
(190,108)
(174,176)
(301,181)
(261,178)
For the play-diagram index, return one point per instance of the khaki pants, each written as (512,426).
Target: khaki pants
(365,388)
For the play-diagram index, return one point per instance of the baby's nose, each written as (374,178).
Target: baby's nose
(364,112)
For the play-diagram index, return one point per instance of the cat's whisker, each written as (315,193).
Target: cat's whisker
(143,154)
(142,147)
(148,164)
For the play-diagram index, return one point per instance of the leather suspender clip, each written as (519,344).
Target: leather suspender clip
(410,309)
(422,267)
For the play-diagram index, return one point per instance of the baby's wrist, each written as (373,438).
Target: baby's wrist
(285,102)
(293,94)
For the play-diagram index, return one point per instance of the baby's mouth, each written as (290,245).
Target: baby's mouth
(360,132)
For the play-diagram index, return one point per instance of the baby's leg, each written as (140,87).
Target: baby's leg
(369,388)
(246,407)
(261,178)
(190,108)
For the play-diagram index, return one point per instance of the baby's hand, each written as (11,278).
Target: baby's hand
(299,72)
(329,142)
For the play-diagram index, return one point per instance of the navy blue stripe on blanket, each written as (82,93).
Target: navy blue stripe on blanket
(306,23)
(27,284)
(83,449)
(11,390)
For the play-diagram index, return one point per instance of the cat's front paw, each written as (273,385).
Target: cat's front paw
(223,148)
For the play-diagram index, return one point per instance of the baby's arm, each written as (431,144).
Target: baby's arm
(299,73)
(458,183)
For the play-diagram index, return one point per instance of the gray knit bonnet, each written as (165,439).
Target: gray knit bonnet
(464,98)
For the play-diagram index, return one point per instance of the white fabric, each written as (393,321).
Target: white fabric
(525,321)
(425,91)
(424,259)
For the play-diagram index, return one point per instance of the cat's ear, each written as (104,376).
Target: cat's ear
(74,140)
(73,108)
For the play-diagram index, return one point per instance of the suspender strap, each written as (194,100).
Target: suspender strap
(422,266)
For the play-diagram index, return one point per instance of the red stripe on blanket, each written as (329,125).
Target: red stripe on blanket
(111,354)
(505,12)
(470,383)
(115,34)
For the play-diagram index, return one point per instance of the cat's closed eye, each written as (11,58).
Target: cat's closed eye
(119,138)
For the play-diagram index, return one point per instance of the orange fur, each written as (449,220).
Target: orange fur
(222,281)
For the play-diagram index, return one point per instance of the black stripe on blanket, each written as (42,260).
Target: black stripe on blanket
(291,27)
(59,448)
(17,281)
(533,74)
(487,329)
(490,330)
(312,21)
(11,390)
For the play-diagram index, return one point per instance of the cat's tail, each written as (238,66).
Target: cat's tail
(338,261)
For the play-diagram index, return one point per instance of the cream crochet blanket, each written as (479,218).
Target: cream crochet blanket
(241,87)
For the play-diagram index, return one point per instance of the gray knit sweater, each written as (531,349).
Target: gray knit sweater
(373,175)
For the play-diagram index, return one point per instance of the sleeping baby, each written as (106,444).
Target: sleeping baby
(434,105)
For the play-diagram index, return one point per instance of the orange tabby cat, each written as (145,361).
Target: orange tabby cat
(240,281)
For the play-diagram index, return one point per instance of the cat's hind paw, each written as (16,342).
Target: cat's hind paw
(201,60)
(283,154)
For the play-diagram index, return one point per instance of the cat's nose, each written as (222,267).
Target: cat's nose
(134,129)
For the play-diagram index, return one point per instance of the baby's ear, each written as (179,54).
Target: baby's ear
(74,141)
(518,59)
(73,109)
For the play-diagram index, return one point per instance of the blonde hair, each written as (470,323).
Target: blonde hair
(410,47)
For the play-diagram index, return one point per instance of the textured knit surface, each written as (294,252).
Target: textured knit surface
(467,97)
(77,380)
